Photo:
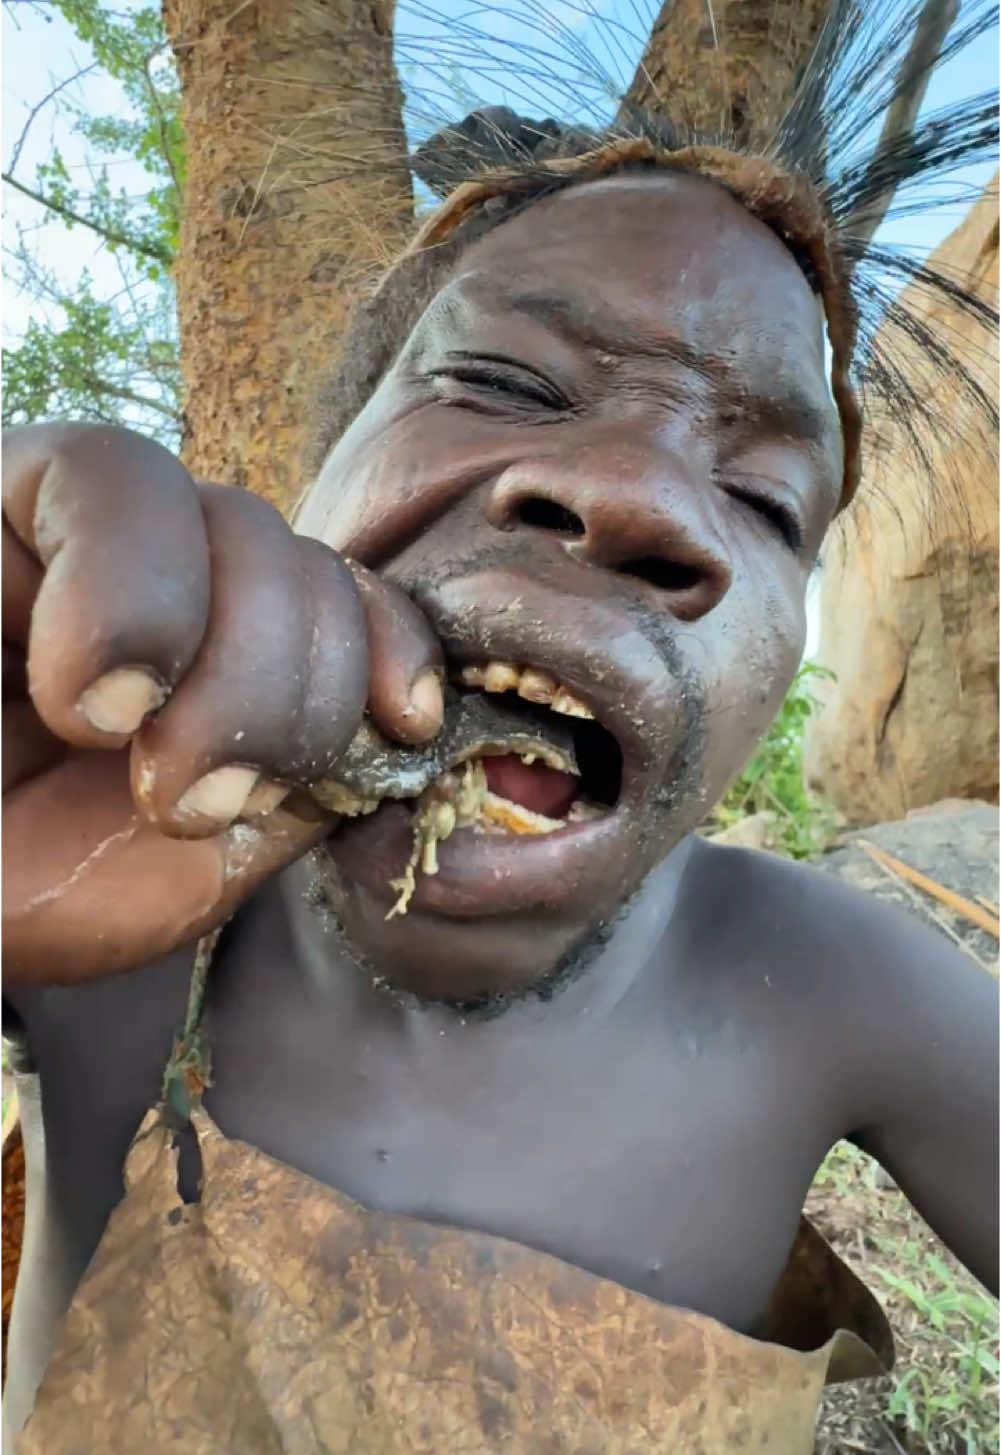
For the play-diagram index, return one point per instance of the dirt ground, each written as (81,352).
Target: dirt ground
(942,1398)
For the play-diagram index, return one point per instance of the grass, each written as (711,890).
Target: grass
(772,781)
(942,1398)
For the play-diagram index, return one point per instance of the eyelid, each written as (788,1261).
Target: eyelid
(496,369)
(781,515)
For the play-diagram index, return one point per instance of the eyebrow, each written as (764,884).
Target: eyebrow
(793,411)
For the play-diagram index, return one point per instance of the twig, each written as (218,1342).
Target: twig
(128,396)
(925,909)
(161,119)
(9,5)
(919,902)
(160,370)
(896,1443)
(146,249)
(19,144)
(987,904)
(948,897)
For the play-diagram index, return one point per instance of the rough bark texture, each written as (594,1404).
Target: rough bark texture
(728,68)
(909,595)
(295,194)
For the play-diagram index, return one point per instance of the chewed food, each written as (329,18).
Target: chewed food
(494,768)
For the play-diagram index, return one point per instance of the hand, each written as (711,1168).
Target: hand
(174,658)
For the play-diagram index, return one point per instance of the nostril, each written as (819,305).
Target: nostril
(547,515)
(666,575)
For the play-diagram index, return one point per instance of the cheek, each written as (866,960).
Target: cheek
(337,510)
(394,473)
(759,650)
(363,479)
(361,491)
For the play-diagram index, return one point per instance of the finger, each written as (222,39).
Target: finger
(406,663)
(273,691)
(21,578)
(93,903)
(337,666)
(116,521)
(14,684)
(28,746)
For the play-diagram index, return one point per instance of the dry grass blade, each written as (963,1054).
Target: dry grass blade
(923,906)
(956,902)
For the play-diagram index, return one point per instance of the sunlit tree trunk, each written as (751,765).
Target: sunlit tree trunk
(295,193)
(909,592)
(726,67)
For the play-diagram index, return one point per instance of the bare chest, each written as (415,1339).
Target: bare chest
(669,1158)
(661,1142)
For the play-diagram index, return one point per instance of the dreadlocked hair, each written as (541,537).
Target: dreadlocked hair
(854,150)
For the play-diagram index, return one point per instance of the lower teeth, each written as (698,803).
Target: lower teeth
(462,800)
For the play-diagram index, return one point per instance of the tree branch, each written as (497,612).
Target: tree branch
(111,235)
(9,6)
(161,120)
(119,391)
(19,144)
(933,26)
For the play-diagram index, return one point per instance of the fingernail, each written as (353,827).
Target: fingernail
(220,795)
(265,798)
(427,702)
(118,701)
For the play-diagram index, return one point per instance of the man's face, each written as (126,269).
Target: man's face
(608,452)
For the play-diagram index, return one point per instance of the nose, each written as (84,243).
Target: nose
(643,513)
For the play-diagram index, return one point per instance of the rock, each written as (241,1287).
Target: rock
(955,845)
(909,592)
(757,831)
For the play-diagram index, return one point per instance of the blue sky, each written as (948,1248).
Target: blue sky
(598,43)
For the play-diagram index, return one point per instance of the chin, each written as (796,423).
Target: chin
(460,961)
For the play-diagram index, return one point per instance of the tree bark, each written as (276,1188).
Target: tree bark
(296,193)
(909,591)
(726,67)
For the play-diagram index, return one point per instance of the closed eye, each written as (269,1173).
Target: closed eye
(777,515)
(501,377)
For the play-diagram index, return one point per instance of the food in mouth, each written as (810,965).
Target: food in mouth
(518,754)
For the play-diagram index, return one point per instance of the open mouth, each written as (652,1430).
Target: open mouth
(534,795)
(548,766)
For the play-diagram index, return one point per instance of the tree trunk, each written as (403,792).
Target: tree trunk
(726,67)
(296,192)
(909,593)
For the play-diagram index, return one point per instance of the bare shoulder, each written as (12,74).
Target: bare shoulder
(887,989)
(837,933)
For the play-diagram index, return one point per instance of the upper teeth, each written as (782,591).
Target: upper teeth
(529,682)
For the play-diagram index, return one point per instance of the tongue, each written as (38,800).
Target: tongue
(532,785)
